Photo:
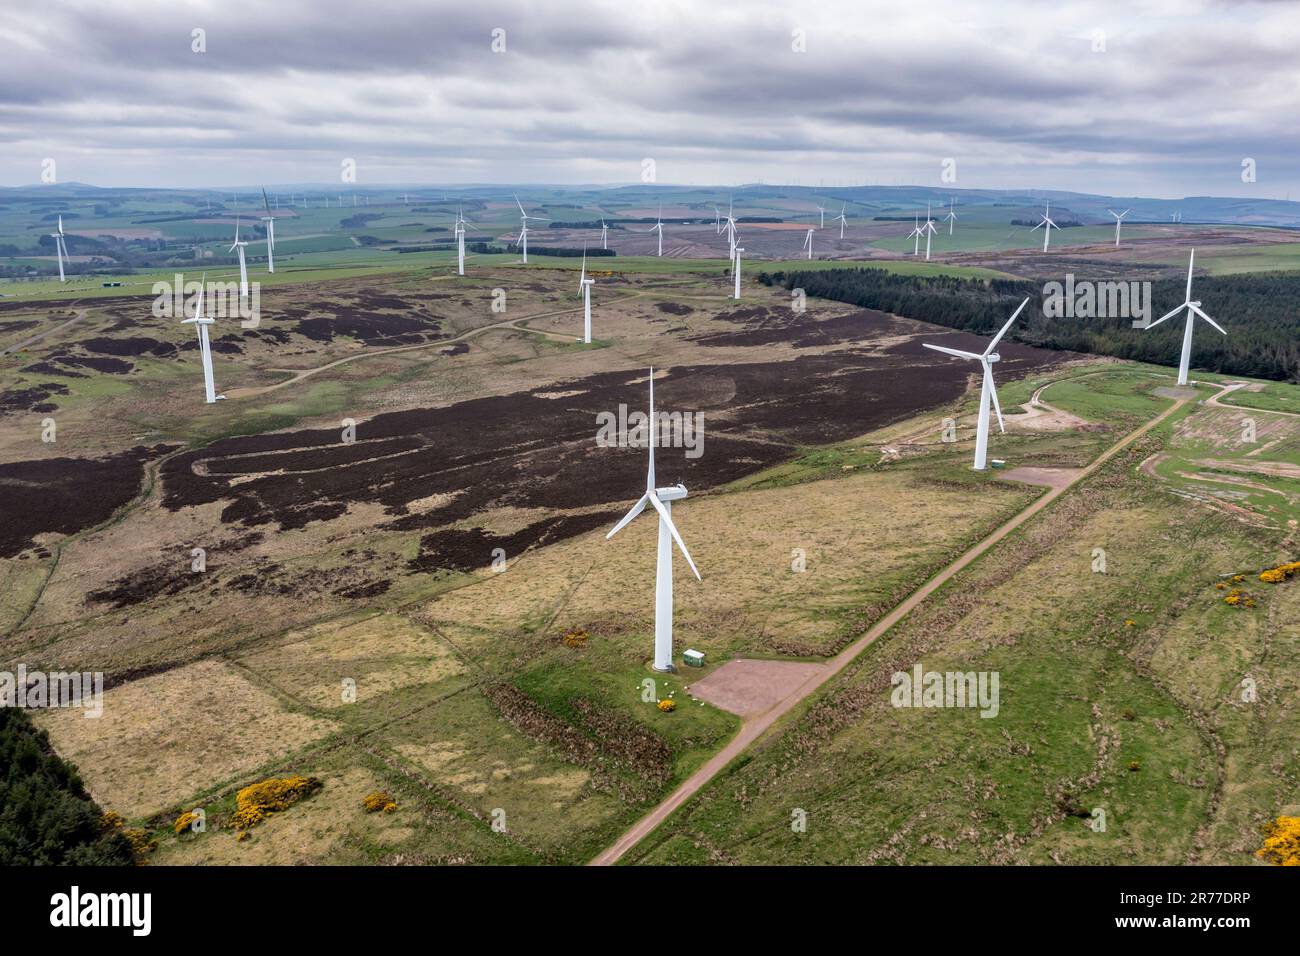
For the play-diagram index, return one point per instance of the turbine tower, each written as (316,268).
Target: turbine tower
(60,248)
(1119,218)
(951,217)
(238,246)
(584,289)
(822,210)
(604,234)
(807,243)
(988,391)
(729,224)
(1047,221)
(736,269)
(270,234)
(1193,308)
(842,220)
(201,323)
(660,499)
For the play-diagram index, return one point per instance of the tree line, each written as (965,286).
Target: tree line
(1258,310)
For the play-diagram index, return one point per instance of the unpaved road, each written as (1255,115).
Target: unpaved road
(751,730)
(81,314)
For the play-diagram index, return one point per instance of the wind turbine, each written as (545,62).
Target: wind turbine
(201,323)
(1047,221)
(717,221)
(988,391)
(1119,218)
(60,248)
(660,499)
(237,245)
(916,233)
(822,210)
(270,234)
(807,243)
(951,217)
(929,231)
(729,224)
(604,234)
(736,268)
(584,289)
(659,227)
(523,227)
(459,232)
(842,220)
(1193,309)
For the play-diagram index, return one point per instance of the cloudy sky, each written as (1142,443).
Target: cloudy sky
(1140,97)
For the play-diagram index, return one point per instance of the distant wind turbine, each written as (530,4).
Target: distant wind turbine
(929,231)
(1050,225)
(238,246)
(1193,308)
(729,224)
(270,234)
(916,234)
(201,323)
(842,220)
(660,499)
(60,248)
(523,227)
(822,210)
(584,288)
(659,227)
(988,391)
(1119,219)
(807,243)
(604,234)
(950,218)
(459,233)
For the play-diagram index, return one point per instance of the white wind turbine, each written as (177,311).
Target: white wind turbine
(1193,308)
(238,246)
(604,234)
(842,220)
(929,231)
(60,248)
(1047,221)
(1119,218)
(822,210)
(717,221)
(201,323)
(270,234)
(988,391)
(659,227)
(916,234)
(523,227)
(736,268)
(660,499)
(459,233)
(951,217)
(584,288)
(807,243)
(729,224)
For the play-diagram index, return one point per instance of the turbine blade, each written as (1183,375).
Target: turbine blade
(947,351)
(1191,260)
(1197,310)
(636,510)
(672,529)
(998,338)
(650,438)
(993,393)
(1168,315)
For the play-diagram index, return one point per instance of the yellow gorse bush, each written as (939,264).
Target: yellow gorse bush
(256,802)
(1281,842)
(1280,573)
(667,705)
(183,821)
(379,800)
